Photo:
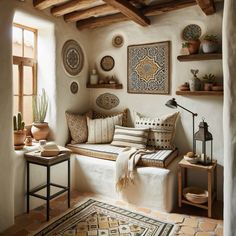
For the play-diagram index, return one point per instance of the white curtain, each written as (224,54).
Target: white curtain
(229,123)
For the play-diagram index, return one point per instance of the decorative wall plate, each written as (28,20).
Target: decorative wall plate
(107,101)
(107,63)
(191,32)
(118,41)
(74,87)
(72,57)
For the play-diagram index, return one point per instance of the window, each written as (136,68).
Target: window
(24,70)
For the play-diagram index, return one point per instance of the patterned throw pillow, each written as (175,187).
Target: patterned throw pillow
(77,125)
(97,115)
(102,130)
(162,130)
(130,137)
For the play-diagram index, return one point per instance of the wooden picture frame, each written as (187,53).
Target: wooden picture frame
(148,68)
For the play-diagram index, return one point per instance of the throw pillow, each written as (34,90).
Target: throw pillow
(102,130)
(162,130)
(130,137)
(77,125)
(97,115)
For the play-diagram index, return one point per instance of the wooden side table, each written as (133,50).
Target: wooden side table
(36,159)
(211,170)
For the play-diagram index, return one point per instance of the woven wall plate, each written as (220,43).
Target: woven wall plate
(107,63)
(107,101)
(191,32)
(118,41)
(74,87)
(72,57)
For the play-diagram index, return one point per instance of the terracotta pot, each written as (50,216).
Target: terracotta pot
(40,130)
(208,86)
(193,46)
(19,137)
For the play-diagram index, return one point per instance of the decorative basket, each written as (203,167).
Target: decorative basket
(195,195)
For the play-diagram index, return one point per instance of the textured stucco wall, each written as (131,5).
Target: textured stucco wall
(57,84)
(165,27)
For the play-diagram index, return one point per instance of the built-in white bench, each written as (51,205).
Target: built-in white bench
(154,187)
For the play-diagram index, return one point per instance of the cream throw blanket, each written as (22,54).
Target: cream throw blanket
(125,164)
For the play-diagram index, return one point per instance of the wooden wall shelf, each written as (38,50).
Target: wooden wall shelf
(200,57)
(200,93)
(110,86)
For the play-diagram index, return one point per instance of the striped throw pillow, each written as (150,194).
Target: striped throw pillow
(102,130)
(130,137)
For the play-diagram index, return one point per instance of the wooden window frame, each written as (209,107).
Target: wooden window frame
(25,61)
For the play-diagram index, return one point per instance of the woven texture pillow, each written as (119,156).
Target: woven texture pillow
(77,125)
(162,130)
(124,114)
(102,130)
(130,137)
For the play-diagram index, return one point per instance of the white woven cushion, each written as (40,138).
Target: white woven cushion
(162,130)
(102,130)
(130,137)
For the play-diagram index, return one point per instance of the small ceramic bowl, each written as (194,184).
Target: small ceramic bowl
(192,160)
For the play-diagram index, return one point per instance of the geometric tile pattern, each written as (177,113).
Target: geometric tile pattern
(148,68)
(94,218)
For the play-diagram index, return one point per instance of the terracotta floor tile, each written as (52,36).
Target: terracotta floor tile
(219,231)
(142,209)
(190,222)
(176,218)
(204,234)
(187,230)
(207,226)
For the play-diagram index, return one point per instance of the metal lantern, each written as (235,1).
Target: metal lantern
(204,137)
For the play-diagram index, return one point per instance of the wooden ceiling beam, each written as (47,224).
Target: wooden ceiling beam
(207,6)
(95,22)
(43,4)
(160,8)
(94,11)
(130,11)
(71,6)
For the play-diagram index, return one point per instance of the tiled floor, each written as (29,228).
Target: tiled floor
(191,220)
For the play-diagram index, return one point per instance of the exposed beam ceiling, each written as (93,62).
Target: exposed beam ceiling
(98,13)
(74,5)
(207,6)
(168,6)
(91,12)
(95,22)
(130,11)
(43,4)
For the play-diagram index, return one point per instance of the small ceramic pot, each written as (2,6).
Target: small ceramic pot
(208,86)
(194,84)
(193,46)
(19,137)
(28,141)
(210,47)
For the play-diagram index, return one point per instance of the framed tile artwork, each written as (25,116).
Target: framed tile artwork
(149,68)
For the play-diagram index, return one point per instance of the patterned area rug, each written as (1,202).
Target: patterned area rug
(95,218)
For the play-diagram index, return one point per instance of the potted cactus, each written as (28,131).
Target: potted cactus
(40,128)
(210,44)
(192,45)
(19,131)
(209,80)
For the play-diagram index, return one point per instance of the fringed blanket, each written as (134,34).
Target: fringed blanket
(125,165)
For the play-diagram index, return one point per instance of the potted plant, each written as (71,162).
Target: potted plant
(209,80)
(40,128)
(19,131)
(193,45)
(210,44)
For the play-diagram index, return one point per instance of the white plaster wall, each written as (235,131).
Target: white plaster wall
(11,167)
(166,27)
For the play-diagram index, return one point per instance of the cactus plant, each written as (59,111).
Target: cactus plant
(40,106)
(18,124)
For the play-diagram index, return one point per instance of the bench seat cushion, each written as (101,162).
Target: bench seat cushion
(161,158)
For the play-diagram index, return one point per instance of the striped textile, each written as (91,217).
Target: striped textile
(161,158)
(102,130)
(130,137)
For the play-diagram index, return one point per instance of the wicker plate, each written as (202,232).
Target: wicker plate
(195,195)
